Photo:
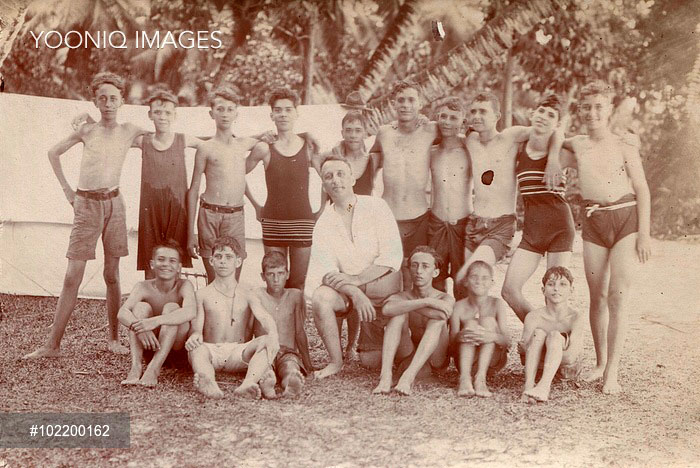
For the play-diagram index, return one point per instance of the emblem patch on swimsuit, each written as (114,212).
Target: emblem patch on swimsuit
(487,177)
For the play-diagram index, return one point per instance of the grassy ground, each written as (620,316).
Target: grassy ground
(655,422)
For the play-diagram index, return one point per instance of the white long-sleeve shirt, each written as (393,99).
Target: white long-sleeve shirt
(375,241)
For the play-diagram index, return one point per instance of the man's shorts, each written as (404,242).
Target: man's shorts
(496,233)
(93,218)
(448,240)
(414,232)
(227,356)
(548,227)
(606,227)
(213,223)
(286,354)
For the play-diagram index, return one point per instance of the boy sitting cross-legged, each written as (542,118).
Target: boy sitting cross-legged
(476,329)
(287,307)
(219,331)
(426,310)
(555,326)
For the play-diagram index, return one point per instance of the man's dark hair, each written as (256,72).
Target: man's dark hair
(486,96)
(283,93)
(557,272)
(429,250)
(107,78)
(227,241)
(169,244)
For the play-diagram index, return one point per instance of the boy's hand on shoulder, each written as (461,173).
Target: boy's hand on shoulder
(80,120)
(269,137)
(194,341)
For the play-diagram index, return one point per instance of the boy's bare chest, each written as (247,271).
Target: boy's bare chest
(497,153)
(107,143)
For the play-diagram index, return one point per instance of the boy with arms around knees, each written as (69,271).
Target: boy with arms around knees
(287,307)
(425,310)
(217,341)
(556,327)
(157,314)
(477,332)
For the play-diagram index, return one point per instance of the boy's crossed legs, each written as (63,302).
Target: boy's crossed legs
(557,354)
(234,357)
(169,337)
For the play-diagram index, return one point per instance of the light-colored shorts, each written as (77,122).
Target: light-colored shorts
(227,357)
(212,225)
(95,218)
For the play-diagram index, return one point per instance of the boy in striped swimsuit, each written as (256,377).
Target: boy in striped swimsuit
(549,224)
(615,228)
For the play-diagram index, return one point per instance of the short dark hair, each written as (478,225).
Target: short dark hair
(452,103)
(552,101)
(487,96)
(225,92)
(162,94)
(335,157)
(169,244)
(596,88)
(402,85)
(429,250)
(283,93)
(354,116)
(107,78)
(479,264)
(273,259)
(227,241)
(557,272)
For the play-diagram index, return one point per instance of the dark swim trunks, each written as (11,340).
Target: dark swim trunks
(414,232)
(548,228)
(606,224)
(496,233)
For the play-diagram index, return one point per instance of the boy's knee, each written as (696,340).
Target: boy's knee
(508,292)
(111,277)
(554,338)
(170,307)
(322,299)
(142,310)
(539,335)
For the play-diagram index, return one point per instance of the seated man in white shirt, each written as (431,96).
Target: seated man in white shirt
(355,263)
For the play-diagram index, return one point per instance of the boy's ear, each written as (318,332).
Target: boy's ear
(211,114)
(436,272)
(152,264)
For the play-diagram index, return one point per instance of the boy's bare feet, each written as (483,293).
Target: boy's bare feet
(207,387)
(132,378)
(148,379)
(465,389)
(403,389)
(116,347)
(267,385)
(539,393)
(43,352)
(527,399)
(249,391)
(384,387)
(481,389)
(294,385)
(329,370)
(611,386)
(594,374)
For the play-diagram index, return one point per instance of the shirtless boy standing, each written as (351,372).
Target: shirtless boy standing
(426,311)
(615,228)
(477,331)
(222,161)
(555,326)
(404,155)
(218,334)
(490,228)
(98,206)
(451,198)
(287,307)
(164,306)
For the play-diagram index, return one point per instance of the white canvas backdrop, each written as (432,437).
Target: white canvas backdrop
(35,218)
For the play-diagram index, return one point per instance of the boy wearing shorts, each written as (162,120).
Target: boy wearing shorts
(217,341)
(98,206)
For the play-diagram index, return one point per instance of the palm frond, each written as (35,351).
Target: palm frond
(11,23)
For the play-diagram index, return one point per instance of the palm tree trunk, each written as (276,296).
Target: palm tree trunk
(309,51)
(507,120)
(388,49)
(11,24)
(489,43)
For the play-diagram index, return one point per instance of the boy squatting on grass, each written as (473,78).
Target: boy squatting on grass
(219,330)
(164,305)
(98,208)
(477,331)
(426,311)
(556,327)
(287,307)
